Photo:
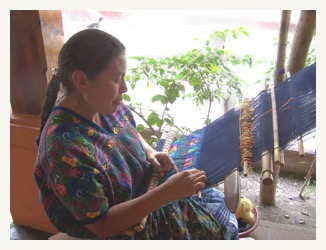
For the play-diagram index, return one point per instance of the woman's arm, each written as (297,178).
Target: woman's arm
(124,215)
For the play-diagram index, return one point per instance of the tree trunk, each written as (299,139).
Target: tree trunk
(301,41)
(282,45)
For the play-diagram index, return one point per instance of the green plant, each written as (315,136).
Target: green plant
(310,188)
(202,74)
(267,75)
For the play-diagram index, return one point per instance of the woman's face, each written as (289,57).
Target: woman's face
(105,91)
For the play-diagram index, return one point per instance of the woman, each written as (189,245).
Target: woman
(93,167)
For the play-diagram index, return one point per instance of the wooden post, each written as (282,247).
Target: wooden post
(36,38)
(27,62)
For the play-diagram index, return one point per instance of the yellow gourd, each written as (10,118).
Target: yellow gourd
(244,211)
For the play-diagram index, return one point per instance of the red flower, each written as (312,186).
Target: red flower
(73,172)
(61,189)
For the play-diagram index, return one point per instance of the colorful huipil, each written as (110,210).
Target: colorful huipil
(82,170)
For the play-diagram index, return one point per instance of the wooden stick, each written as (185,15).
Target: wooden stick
(300,141)
(300,146)
(308,177)
(267,168)
(153,183)
(277,157)
(200,195)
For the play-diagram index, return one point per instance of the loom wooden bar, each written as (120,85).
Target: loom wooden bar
(267,170)
(282,158)
(300,146)
(277,158)
(245,169)
(152,184)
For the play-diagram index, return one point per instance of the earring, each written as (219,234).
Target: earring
(85,96)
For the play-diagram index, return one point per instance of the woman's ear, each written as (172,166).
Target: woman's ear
(79,80)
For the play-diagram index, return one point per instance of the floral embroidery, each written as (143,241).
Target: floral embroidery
(75,120)
(71,161)
(116,130)
(61,189)
(90,132)
(92,215)
(73,172)
(110,143)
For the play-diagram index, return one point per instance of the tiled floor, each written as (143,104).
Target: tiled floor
(265,231)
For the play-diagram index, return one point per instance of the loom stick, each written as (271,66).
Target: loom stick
(277,157)
(299,139)
(308,177)
(153,183)
(282,163)
(200,194)
(300,146)
(267,168)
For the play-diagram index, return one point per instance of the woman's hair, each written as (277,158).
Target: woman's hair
(89,50)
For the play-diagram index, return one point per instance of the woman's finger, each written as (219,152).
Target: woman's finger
(168,161)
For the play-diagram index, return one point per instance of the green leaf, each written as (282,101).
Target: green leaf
(245,33)
(174,95)
(153,118)
(161,71)
(139,58)
(195,82)
(140,128)
(126,97)
(157,98)
(214,68)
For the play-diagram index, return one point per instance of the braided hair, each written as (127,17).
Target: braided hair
(89,50)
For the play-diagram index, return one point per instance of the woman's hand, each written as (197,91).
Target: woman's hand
(184,184)
(162,162)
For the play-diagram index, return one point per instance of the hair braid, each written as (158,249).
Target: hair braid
(51,97)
